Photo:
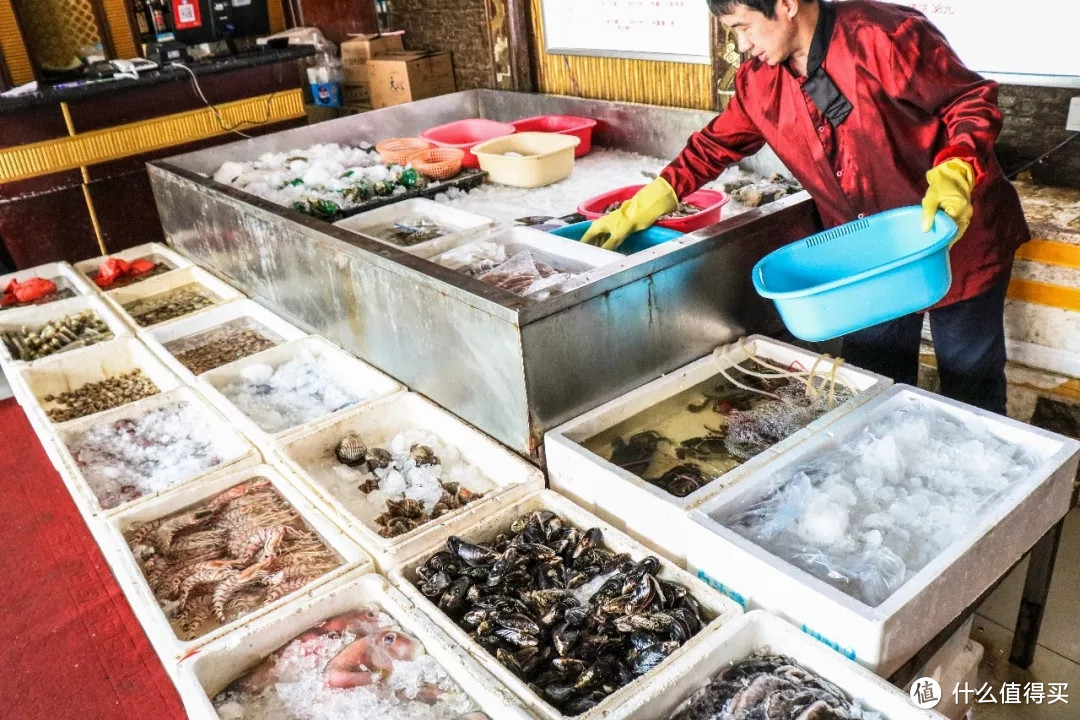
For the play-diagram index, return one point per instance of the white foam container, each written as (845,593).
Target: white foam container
(956,663)
(310,455)
(561,253)
(740,638)
(222,291)
(882,638)
(352,373)
(462,224)
(722,609)
(217,316)
(241,453)
(49,271)
(38,315)
(644,511)
(70,371)
(210,669)
(154,252)
(167,643)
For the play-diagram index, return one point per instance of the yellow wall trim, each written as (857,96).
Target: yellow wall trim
(1050,252)
(12,46)
(119,30)
(1040,293)
(69,153)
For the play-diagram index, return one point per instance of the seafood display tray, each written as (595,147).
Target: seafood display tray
(155,251)
(561,253)
(465,180)
(882,638)
(38,315)
(722,609)
(358,375)
(168,645)
(743,636)
(644,511)
(464,224)
(70,371)
(242,453)
(222,291)
(208,670)
(377,424)
(49,271)
(214,317)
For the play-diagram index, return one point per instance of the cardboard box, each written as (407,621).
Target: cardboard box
(357,51)
(398,78)
(356,94)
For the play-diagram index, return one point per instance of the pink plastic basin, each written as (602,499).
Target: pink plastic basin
(711,202)
(464,134)
(579,127)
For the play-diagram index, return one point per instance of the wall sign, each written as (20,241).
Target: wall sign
(672,30)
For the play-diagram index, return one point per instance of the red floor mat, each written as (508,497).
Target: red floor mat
(69,644)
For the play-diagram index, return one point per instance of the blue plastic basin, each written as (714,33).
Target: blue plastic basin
(634,243)
(859,274)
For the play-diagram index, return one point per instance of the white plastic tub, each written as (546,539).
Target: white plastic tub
(562,254)
(643,510)
(218,291)
(168,340)
(210,669)
(35,317)
(154,252)
(170,647)
(238,452)
(70,371)
(363,380)
(310,455)
(882,638)
(528,159)
(61,273)
(461,224)
(718,609)
(739,639)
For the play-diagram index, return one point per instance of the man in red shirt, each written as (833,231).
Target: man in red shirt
(870,109)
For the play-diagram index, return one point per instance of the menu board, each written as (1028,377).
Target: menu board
(673,30)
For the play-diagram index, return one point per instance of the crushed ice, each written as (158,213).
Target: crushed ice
(305,388)
(404,478)
(869,513)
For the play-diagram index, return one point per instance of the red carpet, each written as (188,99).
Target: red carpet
(69,644)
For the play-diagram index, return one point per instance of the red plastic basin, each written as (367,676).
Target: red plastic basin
(579,127)
(711,202)
(463,134)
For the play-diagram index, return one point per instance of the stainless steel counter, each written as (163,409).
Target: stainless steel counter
(511,366)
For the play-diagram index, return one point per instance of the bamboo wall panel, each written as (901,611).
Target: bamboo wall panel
(277,15)
(642,81)
(16,58)
(120,30)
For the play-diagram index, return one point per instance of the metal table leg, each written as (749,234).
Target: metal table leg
(1033,601)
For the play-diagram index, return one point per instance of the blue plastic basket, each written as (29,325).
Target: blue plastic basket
(859,274)
(635,243)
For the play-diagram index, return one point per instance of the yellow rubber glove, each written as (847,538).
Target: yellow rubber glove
(636,214)
(950,188)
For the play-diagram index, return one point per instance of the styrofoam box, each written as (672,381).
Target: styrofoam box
(310,454)
(70,371)
(353,374)
(882,638)
(951,667)
(222,291)
(210,669)
(168,644)
(747,634)
(462,224)
(57,271)
(562,254)
(240,452)
(38,315)
(720,609)
(646,512)
(154,252)
(184,327)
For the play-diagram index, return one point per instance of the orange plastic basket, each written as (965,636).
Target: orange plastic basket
(397,151)
(438,163)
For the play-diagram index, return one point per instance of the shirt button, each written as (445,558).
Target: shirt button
(862,215)
(821,129)
(839,173)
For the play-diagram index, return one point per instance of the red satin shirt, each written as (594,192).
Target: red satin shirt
(914,106)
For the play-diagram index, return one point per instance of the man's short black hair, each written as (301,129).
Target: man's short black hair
(765,7)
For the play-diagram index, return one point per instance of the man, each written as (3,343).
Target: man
(869,107)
